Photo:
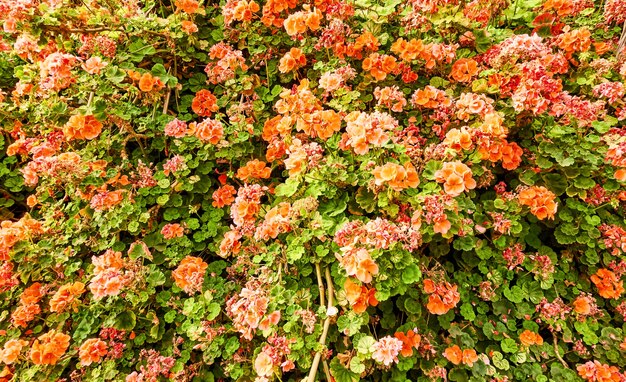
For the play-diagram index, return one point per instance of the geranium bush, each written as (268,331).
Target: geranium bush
(312,190)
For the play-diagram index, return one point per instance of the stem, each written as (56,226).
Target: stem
(89,100)
(320,284)
(556,351)
(167,100)
(318,355)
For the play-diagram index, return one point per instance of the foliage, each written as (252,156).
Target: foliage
(329,189)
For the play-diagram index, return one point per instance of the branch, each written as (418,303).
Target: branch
(556,351)
(320,284)
(322,341)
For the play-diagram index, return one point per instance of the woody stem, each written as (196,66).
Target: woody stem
(322,341)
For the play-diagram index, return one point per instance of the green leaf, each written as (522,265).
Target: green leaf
(467,311)
(340,373)
(126,320)
(288,188)
(509,345)
(411,274)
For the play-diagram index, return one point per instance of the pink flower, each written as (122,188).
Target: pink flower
(263,365)
(386,350)
(176,128)
(94,65)
(173,230)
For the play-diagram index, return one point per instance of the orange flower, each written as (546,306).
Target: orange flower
(66,297)
(189,275)
(313,19)
(188,27)
(379,65)
(244,10)
(620,175)
(430,97)
(562,7)
(582,306)
(511,155)
(443,296)
(457,356)
(24,314)
(209,130)
(82,127)
(92,351)
(359,297)
(204,103)
(49,347)
(528,338)
(409,340)
(469,357)
(457,178)
(458,139)
(578,40)
(327,122)
(540,200)
(396,176)
(11,351)
(608,284)
(187,6)
(172,231)
(464,69)
(32,294)
(148,82)
(224,196)
(254,169)
(295,23)
(365,268)
(294,59)
(454,354)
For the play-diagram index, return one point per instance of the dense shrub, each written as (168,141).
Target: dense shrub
(331,189)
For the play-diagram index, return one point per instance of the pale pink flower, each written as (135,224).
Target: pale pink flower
(386,350)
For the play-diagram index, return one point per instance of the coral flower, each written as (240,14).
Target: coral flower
(254,169)
(469,357)
(454,354)
(528,338)
(204,103)
(457,178)
(66,297)
(224,196)
(464,69)
(189,27)
(540,200)
(209,130)
(189,275)
(294,59)
(49,347)
(82,127)
(244,10)
(94,65)
(172,231)
(396,176)
(295,23)
(608,284)
(92,351)
(359,297)
(11,351)
(410,340)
